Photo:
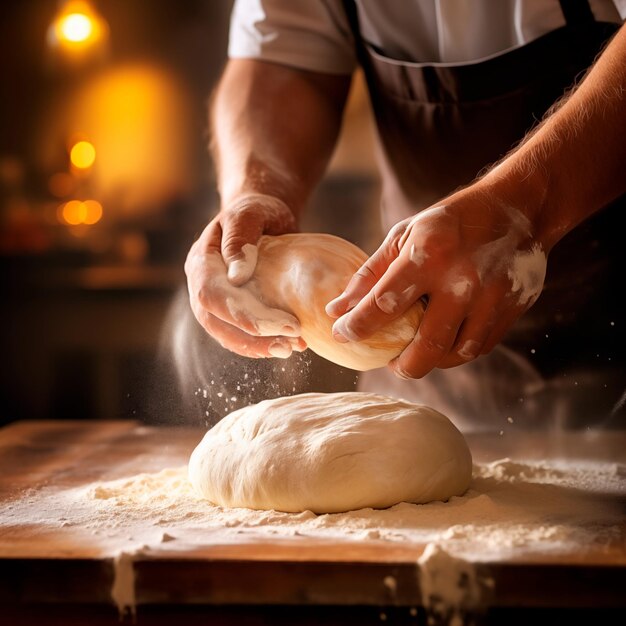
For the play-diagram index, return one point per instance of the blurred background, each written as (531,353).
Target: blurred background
(105,181)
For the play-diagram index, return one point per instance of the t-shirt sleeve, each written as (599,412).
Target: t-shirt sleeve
(307,34)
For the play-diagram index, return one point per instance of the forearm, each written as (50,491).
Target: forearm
(274,129)
(573,164)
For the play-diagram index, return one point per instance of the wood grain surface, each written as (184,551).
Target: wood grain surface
(301,571)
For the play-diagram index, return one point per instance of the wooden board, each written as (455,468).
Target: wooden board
(302,570)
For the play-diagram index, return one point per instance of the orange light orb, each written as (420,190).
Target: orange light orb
(82,155)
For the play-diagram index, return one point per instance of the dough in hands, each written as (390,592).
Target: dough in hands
(301,273)
(330,453)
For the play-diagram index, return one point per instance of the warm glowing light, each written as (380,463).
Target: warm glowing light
(92,212)
(82,155)
(138,119)
(70,212)
(76,212)
(76,27)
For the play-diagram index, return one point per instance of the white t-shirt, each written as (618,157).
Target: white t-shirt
(314,34)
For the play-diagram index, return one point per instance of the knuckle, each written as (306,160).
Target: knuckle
(396,232)
(365,271)
(263,211)
(386,302)
(431,344)
(233,241)
(204,295)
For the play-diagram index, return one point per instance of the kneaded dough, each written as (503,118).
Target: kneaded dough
(329,453)
(300,273)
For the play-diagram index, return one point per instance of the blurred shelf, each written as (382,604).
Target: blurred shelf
(97,278)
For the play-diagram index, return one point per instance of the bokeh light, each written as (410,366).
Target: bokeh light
(92,212)
(76,27)
(77,212)
(82,155)
(137,118)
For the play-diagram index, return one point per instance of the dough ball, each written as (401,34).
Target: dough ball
(300,273)
(330,453)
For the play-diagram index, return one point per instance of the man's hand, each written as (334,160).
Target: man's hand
(481,262)
(273,130)
(223,259)
(477,262)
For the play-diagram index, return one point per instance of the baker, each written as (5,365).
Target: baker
(485,208)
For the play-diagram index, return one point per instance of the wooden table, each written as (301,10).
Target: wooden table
(265,581)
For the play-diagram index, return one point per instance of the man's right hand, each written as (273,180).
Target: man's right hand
(222,260)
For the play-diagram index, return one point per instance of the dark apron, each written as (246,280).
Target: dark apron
(439,126)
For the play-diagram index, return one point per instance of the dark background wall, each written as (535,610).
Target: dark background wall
(90,316)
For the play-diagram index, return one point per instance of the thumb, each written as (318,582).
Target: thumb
(241,232)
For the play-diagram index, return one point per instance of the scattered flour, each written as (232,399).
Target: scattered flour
(512,509)
(459,287)
(417,256)
(451,587)
(527,273)
(123,590)
(387,302)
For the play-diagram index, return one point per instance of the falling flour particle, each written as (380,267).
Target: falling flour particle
(391,583)
(527,273)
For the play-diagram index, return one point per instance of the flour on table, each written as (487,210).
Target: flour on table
(512,509)
(451,587)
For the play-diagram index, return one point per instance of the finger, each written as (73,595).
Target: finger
(244,310)
(501,327)
(241,232)
(242,226)
(367,275)
(210,290)
(474,331)
(235,340)
(435,337)
(213,236)
(392,295)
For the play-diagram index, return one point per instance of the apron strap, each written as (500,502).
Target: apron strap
(350,8)
(577,12)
